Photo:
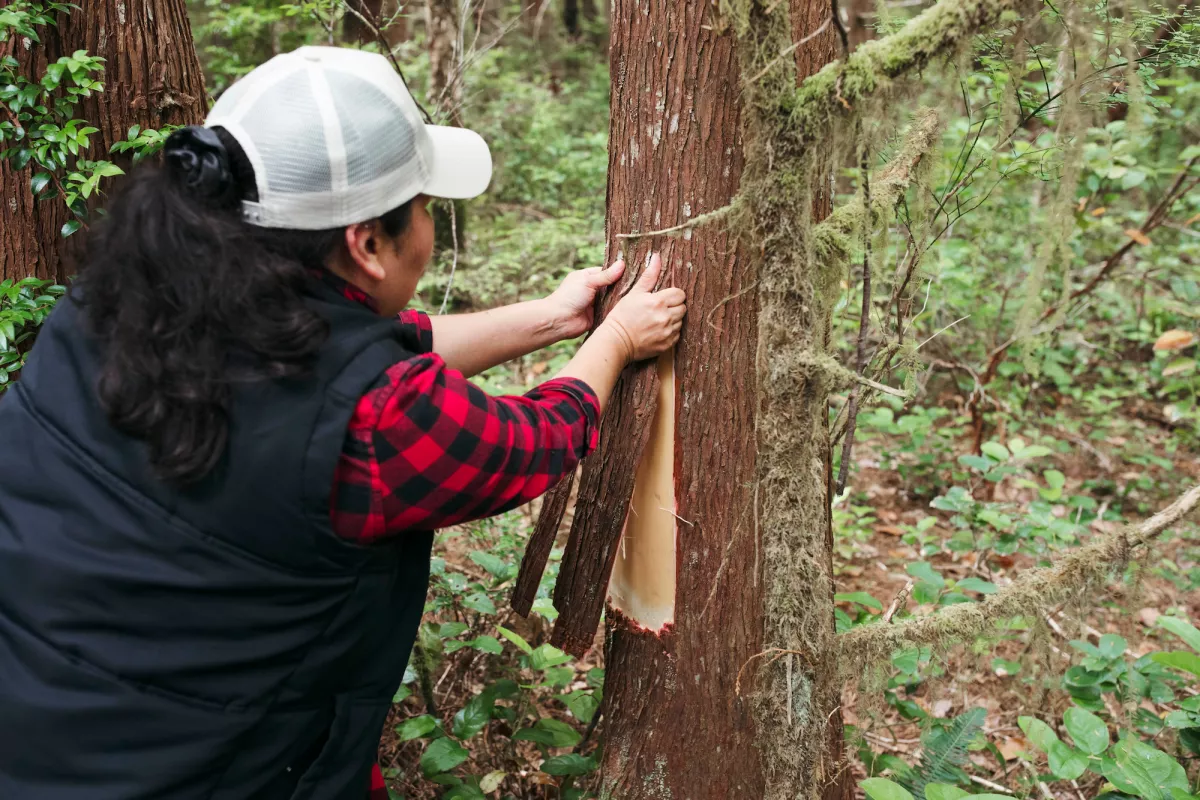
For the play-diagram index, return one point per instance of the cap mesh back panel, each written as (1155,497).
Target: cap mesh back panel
(362,107)
(290,138)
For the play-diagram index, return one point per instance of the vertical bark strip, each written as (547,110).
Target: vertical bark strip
(541,542)
(152,78)
(676,726)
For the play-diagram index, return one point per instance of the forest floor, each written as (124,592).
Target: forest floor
(1007,678)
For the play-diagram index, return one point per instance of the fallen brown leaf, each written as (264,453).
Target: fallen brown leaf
(1175,340)
(1012,746)
(1138,236)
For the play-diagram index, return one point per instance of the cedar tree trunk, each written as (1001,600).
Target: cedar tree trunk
(678,540)
(152,78)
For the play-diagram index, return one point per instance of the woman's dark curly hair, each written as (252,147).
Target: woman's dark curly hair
(187,299)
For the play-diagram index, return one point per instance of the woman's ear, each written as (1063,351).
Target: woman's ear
(363,242)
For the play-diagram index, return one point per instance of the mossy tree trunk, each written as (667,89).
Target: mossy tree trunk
(152,78)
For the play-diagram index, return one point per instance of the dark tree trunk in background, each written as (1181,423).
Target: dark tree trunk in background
(354,29)
(571,17)
(443,28)
(152,78)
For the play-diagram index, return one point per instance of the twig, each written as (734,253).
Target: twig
(1033,774)
(787,51)
(694,222)
(587,734)
(994,786)
(864,326)
(454,262)
(386,46)
(899,601)
(723,301)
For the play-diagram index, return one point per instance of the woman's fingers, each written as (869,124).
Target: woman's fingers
(650,277)
(600,277)
(673,297)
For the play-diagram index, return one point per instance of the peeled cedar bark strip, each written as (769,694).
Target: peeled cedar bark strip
(605,490)
(537,552)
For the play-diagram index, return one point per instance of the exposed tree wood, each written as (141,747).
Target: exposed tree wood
(152,78)
(541,542)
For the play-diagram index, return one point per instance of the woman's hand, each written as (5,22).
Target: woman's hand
(645,322)
(572,305)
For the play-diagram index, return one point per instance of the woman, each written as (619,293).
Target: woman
(231,445)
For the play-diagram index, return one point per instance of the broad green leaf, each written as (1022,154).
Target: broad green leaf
(1183,629)
(488,644)
(1089,731)
(491,782)
(924,571)
(1179,659)
(464,791)
(1054,479)
(883,789)
(986,796)
(71,227)
(402,694)
(582,705)
(492,563)
(1066,762)
(1040,734)
(416,727)
(546,656)
(996,450)
(862,598)
(943,791)
(550,732)
(479,602)
(514,638)
(981,463)
(474,716)
(448,630)
(974,584)
(1111,645)
(442,755)
(572,764)
(1033,451)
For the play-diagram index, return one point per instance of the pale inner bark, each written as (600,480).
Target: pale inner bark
(643,579)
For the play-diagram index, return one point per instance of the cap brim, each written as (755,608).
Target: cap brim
(462,163)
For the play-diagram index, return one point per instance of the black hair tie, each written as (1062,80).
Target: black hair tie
(200,159)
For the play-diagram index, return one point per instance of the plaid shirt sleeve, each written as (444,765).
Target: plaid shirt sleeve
(426,448)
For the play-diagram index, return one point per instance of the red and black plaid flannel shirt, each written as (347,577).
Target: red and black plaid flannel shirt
(426,449)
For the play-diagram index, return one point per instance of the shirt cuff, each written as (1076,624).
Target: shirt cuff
(589,403)
(418,330)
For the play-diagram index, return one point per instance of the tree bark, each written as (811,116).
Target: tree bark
(152,78)
(684,606)
(354,28)
(443,28)
(688,602)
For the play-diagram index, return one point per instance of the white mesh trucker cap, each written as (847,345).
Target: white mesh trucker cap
(335,138)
